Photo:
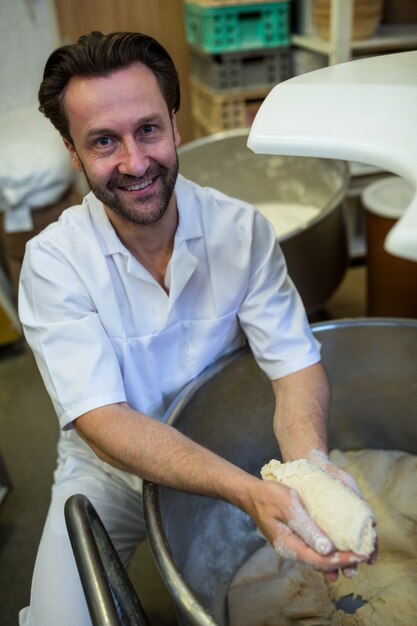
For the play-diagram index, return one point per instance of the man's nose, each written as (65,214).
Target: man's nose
(134,160)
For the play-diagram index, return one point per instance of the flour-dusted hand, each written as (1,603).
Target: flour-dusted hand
(283,520)
(337,509)
(335,506)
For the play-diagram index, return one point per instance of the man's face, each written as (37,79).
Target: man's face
(125,140)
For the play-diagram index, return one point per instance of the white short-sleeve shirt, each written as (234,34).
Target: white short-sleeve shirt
(104,331)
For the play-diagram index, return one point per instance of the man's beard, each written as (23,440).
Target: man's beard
(133,214)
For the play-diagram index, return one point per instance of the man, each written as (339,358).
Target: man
(131,295)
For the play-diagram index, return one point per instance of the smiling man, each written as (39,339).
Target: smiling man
(130,296)
(129,157)
(129,160)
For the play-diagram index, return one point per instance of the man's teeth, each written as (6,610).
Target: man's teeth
(137,187)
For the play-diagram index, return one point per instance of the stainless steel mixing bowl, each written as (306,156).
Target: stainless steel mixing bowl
(198,542)
(317,253)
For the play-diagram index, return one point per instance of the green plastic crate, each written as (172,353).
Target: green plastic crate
(230,29)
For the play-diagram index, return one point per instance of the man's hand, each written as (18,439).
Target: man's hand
(300,425)
(282,519)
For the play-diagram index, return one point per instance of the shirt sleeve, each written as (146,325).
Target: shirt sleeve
(272,314)
(75,356)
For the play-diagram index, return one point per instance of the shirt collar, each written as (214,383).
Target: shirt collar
(189,223)
(189,215)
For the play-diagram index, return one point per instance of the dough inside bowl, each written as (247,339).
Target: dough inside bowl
(271,591)
(288,217)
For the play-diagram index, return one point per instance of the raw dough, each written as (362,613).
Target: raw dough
(271,591)
(287,217)
(337,510)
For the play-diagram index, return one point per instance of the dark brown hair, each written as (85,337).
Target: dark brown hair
(100,55)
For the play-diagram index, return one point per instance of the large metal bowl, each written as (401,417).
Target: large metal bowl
(198,542)
(317,253)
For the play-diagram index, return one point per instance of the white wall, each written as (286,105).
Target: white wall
(28,33)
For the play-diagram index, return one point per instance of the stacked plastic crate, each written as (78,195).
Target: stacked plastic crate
(239,50)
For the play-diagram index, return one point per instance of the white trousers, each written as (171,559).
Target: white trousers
(57,597)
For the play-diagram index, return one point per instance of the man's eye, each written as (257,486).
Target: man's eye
(103,141)
(148,128)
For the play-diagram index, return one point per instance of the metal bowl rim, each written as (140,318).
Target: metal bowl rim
(244,132)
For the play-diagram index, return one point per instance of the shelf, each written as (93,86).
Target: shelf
(387,37)
(339,48)
(311,42)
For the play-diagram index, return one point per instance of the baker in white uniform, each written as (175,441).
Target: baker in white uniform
(131,295)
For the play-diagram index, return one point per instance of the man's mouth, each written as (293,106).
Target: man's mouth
(124,185)
(138,186)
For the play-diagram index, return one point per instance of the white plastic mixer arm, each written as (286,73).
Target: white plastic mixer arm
(364,111)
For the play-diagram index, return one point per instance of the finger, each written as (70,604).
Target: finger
(374,556)
(350,572)
(332,576)
(290,546)
(345,560)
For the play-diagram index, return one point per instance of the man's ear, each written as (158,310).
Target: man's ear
(76,163)
(177,136)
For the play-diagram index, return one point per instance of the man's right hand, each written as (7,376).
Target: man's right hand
(280,515)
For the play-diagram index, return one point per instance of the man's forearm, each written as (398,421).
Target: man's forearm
(157,452)
(301,414)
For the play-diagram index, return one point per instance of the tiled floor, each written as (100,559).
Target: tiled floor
(28,433)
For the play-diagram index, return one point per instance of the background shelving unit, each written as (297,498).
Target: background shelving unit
(239,50)
(340,47)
